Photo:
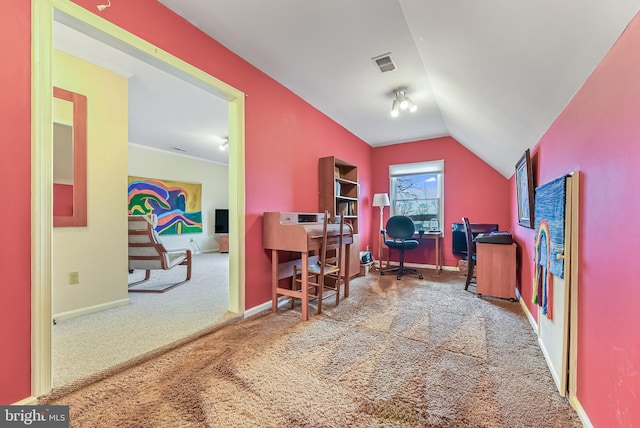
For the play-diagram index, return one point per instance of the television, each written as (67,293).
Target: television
(459,241)
(221,221)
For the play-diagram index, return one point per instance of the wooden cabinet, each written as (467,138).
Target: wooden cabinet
(224,244)
(496,270)
(339,193)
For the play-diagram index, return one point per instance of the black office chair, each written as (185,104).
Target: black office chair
(397,235)
(471,253)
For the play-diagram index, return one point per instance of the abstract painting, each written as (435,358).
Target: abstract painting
(177,205)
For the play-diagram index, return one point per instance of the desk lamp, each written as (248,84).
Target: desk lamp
(380,200)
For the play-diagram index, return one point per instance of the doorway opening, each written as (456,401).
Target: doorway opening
(45,13)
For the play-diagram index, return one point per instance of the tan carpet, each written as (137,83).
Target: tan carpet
(406,353)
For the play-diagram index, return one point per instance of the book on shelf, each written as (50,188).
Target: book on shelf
(343,208)
(353,207)
(348,208)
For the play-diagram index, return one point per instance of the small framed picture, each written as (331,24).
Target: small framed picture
(524,188)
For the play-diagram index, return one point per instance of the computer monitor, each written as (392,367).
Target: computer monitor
(459,241)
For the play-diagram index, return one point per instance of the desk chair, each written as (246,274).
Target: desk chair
(325,274)
(471,253)
(397,235)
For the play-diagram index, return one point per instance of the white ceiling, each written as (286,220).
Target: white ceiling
(165,112)
(493,74)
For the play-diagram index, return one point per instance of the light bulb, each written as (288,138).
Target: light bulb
(394,108)
(412,106)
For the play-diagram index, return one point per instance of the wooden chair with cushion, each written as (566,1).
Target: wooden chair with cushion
(325,278)
(471,253)
(146,252)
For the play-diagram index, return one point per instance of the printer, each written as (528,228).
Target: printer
(494,238)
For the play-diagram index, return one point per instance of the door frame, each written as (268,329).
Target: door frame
(43,12)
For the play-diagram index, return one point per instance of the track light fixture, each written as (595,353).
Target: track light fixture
(102,7)
(402,102)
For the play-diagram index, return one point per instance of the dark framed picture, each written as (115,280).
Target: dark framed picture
(524,188)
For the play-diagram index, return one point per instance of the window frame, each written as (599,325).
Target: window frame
(413,169)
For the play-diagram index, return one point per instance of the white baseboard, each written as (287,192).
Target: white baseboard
(266,306)
(523,305)
(573,401)
(29,401)
(257,309)
(90,309)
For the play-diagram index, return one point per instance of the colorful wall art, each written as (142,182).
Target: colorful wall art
(177,205)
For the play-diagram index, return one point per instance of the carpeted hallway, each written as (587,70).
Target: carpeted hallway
(409,353)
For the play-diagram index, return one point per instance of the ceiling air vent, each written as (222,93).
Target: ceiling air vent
(384,62)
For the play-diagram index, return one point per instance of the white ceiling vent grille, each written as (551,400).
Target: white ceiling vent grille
(384,62)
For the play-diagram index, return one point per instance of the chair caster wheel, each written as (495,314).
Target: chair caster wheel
(381,273)
(398,277)
(420,276)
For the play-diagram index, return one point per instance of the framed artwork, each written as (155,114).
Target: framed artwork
(524,189)
(178,205)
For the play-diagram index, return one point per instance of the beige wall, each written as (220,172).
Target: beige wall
(150,163)
(98,252)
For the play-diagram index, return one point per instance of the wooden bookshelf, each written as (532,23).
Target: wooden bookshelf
(339,193)
(339,189)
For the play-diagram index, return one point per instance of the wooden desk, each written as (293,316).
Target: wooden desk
(496,270)
(436,236)
(224,244)
(299,232)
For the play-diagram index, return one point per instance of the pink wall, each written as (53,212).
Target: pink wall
(598,134)
(472,189)
(285,136)
(62,199)
(15,193)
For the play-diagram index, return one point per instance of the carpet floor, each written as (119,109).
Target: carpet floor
(85,347)
(408,353)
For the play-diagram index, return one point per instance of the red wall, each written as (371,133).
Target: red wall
(285,136)
(15,193)
(598,134)
(62,199)
(471,188)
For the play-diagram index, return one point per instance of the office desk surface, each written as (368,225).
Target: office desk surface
(437,237)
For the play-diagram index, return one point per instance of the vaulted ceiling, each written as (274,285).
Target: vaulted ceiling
(493,74)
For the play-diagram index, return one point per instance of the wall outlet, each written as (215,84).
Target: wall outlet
(74,278)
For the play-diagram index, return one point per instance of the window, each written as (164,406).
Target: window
(417,192)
